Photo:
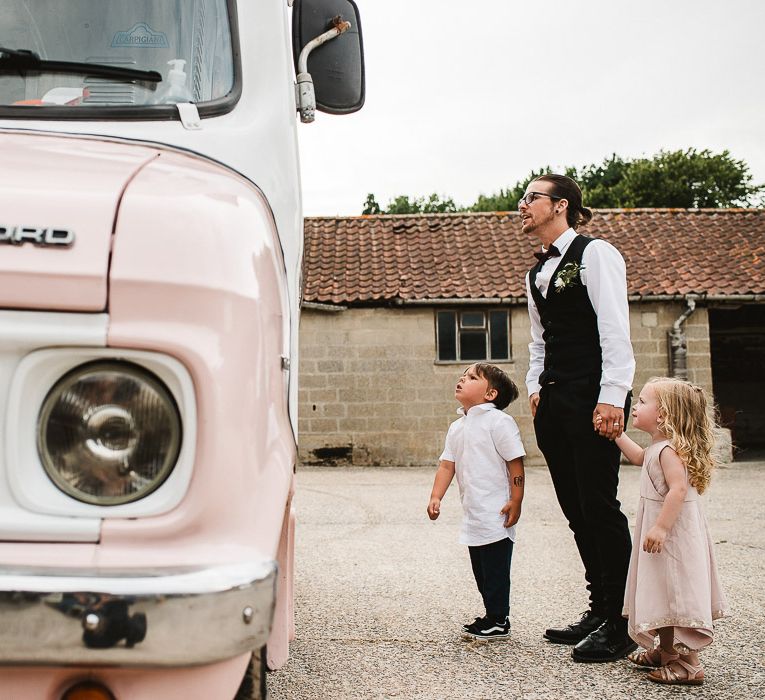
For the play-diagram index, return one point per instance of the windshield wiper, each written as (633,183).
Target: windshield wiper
(23,61)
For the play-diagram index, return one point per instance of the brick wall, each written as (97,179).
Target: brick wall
(372,394)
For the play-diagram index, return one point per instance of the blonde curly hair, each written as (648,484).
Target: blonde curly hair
(688,420)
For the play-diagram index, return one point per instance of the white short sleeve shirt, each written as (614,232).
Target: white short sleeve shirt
(480,443)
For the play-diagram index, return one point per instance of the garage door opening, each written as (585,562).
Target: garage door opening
(737,347)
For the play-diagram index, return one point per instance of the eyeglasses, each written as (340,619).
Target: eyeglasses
(529,197)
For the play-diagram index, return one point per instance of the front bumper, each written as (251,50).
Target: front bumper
(163,617)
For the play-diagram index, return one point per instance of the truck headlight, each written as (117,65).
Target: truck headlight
(108,433)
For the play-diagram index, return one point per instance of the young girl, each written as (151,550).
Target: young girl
(672,587)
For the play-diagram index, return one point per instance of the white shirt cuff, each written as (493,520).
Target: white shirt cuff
(613,395)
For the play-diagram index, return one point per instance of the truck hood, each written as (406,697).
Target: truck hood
(69,187)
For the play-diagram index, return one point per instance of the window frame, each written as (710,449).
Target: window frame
(141,113)
(486,328)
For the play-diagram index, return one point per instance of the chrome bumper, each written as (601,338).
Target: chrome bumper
(163,617)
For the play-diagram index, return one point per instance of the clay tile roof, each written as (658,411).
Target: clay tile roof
(374,259)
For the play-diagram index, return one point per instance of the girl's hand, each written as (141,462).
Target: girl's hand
(654,540)
(512,512)
(434,508)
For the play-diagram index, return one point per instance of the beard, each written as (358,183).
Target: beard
(538,221)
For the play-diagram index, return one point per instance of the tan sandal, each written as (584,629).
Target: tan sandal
(694,675)
(655,658)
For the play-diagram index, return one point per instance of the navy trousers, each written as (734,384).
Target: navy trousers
(491,568)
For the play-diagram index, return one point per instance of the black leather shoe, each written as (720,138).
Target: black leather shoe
(576,632)
(610,642)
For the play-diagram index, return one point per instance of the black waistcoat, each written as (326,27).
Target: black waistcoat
(569,323)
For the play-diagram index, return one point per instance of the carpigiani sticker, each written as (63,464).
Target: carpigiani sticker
(141,36)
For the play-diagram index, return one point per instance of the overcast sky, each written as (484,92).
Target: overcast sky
(465,98)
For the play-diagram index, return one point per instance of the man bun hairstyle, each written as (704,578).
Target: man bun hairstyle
(565,188)
(505,387)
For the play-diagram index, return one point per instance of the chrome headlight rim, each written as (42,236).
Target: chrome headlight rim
(64,383)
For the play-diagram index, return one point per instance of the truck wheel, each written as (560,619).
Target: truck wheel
(253,685)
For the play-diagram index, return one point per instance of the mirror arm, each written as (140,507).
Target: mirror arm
(304,92)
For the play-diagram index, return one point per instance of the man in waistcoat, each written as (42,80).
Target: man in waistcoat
(581,368)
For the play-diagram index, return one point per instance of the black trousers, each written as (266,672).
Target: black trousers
(491,568)
(585,473)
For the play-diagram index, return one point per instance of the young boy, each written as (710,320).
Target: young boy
(484,449)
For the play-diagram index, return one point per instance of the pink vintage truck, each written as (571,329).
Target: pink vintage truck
(150,249)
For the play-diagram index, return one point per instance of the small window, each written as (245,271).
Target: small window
(473,319)
(473,335)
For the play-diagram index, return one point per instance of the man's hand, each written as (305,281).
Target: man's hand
(434,508)
(533,403)
(512,512)
(608,420)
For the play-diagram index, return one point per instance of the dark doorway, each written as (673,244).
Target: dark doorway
(737,347)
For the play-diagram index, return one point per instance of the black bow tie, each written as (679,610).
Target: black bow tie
(551,252)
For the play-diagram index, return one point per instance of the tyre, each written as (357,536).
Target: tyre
(253,685)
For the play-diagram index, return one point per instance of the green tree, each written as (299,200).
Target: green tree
(371,206)
(684,178)
(687,179)
(602,185)
(403,205)
(506,200)
(433,204)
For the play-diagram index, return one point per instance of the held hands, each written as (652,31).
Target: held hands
(608,420)
(654,540)
(434,508)
(512,512)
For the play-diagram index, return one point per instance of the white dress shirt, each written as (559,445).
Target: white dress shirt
(480,444)
(604,274)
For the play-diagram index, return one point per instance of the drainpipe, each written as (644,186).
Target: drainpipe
(677,344)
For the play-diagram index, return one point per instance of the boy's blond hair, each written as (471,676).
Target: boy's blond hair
(687,418)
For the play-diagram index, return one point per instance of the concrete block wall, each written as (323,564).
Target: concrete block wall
(371,392)
(649,325)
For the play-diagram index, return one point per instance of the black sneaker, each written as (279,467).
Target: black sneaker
(468,626)
(489,629)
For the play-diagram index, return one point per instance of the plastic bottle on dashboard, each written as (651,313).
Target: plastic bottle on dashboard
(175,90)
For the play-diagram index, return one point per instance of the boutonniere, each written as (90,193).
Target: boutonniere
(568,276)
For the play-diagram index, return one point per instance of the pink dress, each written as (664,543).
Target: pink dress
(679,587)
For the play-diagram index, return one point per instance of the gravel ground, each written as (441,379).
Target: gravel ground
(381,593)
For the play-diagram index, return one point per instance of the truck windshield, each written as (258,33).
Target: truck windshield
(187,42)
